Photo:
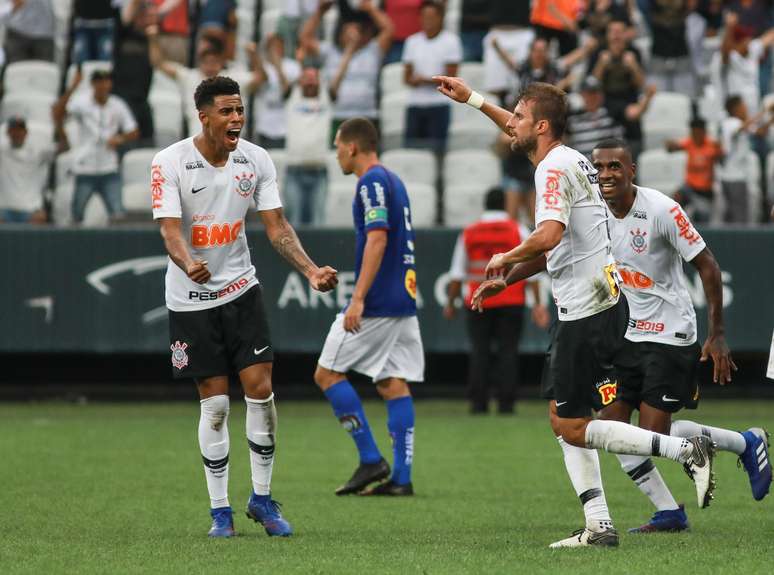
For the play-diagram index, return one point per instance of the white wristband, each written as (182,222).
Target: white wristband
(476,100)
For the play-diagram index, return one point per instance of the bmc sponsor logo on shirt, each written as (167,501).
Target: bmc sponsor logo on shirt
(552,194)
(214,235)
(634,279)
(646,326)
(211,295)
(157,183)
(685,229)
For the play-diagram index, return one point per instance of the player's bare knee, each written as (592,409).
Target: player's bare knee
(325,378)
(573,431)
(256,381)
(393,388)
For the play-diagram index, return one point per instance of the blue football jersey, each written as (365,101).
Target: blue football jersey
(382,203)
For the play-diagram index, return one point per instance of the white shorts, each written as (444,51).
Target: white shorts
(497,76)
(384,347)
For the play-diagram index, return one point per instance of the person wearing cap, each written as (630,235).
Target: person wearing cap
(592,123)
(105,124)
(23,174)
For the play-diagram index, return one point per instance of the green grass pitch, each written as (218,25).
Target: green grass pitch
(105,488)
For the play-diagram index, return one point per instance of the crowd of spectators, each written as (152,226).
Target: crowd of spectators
(307,65)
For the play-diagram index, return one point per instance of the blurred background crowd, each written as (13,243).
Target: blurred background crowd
(91,89)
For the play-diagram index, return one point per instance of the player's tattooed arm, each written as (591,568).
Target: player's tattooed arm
(285,240)
(715,347)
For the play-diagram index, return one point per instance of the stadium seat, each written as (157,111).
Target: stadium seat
(280,159)
(451,21)
(479,169)
(61,208)
(32,76)
(417,166)
(472,73)
(167,118)
(754,187)
(34,106)
(338,205)
(137,200)
(666,118)
(335,175)
(463,204)
(392,113)
(64,168)
(161,84)
(391,78)
(470,128)
(661,170)
(96,214)
(423,204)
(269,20)
(136,166)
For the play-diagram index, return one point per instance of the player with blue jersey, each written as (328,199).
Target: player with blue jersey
(377,333)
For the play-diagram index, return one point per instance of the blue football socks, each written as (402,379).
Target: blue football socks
(400,423)
(348,408)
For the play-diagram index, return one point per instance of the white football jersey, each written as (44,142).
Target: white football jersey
(583,275)
(649,246)
(212,203)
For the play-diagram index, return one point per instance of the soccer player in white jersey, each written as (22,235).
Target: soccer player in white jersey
(202,188)
(651,236)
(572,242)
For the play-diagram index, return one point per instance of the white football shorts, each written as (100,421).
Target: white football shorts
(384,347)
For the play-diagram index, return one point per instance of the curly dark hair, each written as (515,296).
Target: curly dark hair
(211,87)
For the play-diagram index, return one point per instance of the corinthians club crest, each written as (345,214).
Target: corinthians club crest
(638,240)
(179,356)
(245,183)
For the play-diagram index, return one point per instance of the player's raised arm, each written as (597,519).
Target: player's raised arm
(715,346)
(457,90)
(284,239)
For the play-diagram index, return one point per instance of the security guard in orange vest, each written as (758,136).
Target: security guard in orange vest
(499,326)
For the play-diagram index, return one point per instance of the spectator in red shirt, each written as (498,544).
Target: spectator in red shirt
(696,194)
(406,21)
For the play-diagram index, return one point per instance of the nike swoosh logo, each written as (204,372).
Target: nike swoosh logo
(665,398)
(560,403)
(260,351)
(197,190)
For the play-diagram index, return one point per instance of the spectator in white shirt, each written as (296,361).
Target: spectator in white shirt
(351,66)
(105,124)
(23,173)
(275,76)
(29,29)
(309,121)
(736,68)
(735,133)
(431,52)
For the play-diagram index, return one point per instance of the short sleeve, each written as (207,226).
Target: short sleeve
(165,189)
(126,118)
(266,195)
(459,263)
(552,195)
(409,50)
(453,54)
(684,144)
(372,196)
(679,231)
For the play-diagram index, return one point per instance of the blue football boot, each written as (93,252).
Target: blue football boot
(222,522)
(668,521)
(264,510)
(756,461)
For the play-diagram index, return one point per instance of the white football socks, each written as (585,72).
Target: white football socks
(261,424)
(725,439)
(583,468)
(649,480)
(213,444)
(619,437)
